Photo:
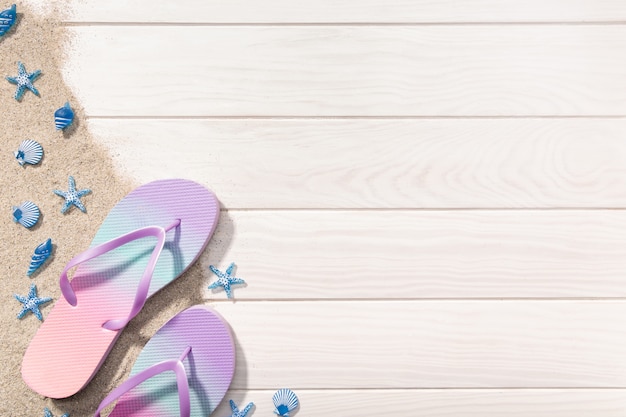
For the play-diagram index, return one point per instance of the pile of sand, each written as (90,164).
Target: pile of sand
(38,42)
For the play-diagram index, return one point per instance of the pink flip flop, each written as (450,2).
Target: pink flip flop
(196,345)
(148,239)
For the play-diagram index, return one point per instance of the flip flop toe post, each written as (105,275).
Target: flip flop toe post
(184,370)
(148,239)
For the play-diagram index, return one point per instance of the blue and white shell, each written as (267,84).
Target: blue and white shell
(285,402)
(27,214)
(29,152)
(41,255)
(63,117)
(7,19)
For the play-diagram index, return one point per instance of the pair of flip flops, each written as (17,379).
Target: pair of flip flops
(148,239)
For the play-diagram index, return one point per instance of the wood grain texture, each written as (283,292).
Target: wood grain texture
(349,71)
(335,106)
(440,254)
(438,163)
(444,403)
(409,11)
(436,344)
(395,255)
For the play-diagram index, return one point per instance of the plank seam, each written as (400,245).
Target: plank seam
(436,389)
(419,209)
(352,117)
(420,300)
(352,24)
(618,388)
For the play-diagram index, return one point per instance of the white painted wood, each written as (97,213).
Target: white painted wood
(331,308)
(436,344)
(438,163)
(349,71)
(398,254)
(286,11)
(443,403)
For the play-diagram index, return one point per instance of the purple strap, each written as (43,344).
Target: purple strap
(144,283)
(175,365)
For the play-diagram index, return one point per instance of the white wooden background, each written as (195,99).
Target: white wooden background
(426,197)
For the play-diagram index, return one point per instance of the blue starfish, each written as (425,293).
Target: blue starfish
(242,413)
(24,80)
(48,413)
(72,197)
(31,303)
(225,279)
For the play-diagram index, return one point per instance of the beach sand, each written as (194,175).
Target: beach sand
(38,42)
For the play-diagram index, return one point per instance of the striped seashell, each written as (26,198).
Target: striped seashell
(7,19)
(29,152)
(42,253)
(64,116)
(27,214)
(285,402)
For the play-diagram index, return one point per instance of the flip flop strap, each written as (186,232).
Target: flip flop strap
(175,365)
(144,283)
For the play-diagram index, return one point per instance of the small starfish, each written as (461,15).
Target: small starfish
(23,80)
(225,279)
(31,303)
(242,413)
(48,413)
(72,197)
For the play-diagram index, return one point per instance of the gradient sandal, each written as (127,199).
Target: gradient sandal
(184,370)
(148,239)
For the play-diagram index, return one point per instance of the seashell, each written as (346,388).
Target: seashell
(29,152)
(285,402)
(42,253)
(64,116)
(7,19)
(26,214)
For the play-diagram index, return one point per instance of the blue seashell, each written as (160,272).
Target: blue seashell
(285,402)
(26,214)
(29,152)
(42,253)
(7,19)
(64,116)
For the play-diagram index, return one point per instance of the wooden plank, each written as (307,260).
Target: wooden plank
(437,344)
(437,163)
(333,11)
(349,70)
(444,403)
(421,255)
(425,403)
(318,255)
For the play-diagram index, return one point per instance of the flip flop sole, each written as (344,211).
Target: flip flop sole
(209,366)
(71,344)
